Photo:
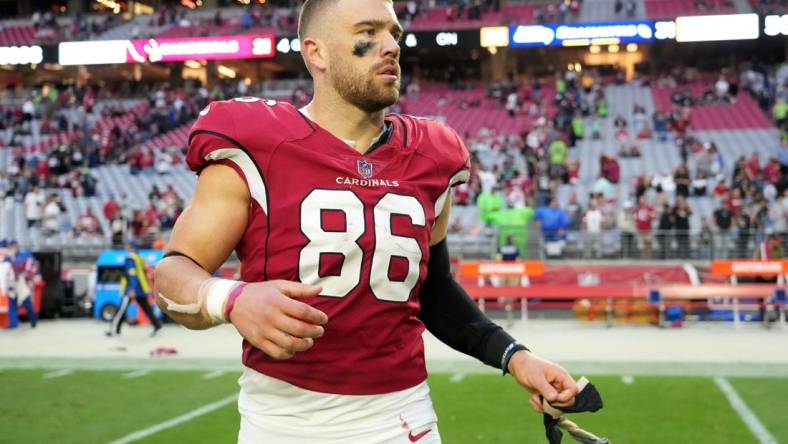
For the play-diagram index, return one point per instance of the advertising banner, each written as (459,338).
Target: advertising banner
(581,34)
(167,50)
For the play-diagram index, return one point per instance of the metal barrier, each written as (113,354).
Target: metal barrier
(656,244)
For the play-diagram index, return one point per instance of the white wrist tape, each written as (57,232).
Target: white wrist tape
(175,307)
(215,292)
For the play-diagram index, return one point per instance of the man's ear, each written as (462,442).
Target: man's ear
(315,53)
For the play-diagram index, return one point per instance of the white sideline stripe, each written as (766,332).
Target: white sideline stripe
(213,375)
(175,421)
(58,373)
(747,415)
(457,377)
(137,373)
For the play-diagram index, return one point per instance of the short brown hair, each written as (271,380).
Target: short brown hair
(309,11)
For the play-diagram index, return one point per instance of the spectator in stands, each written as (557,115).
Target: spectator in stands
(34,206)
(665,227)
(744,224)
(52,214)
(722,89)
(489,203)
(596,127)
(626,225)
(111,208)
(681,177)
(578,129)
(87,225)
(779,214)
(119,226)
(660,122)
(553,220)
(593,221)
(681,224)
(780,112)
(630,8)
(557,151)
(512,103)
(723,221)
(620,122)
(644,216)
(699,184)
(640,123)
(609,168)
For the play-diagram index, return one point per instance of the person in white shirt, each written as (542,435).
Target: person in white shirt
(51,221)
(722,87)
(34,206)
(593,221)
(511,104)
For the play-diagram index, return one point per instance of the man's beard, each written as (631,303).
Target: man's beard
(363,91)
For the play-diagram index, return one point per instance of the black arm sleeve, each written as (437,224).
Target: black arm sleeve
(452,316)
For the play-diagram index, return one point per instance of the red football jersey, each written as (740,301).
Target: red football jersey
(358,225)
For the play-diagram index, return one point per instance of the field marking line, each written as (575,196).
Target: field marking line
(748,416)
(457,377)
(58,373)
(136,436)
(213,375)
(137,373)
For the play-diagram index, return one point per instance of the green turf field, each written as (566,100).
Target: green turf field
(103,406)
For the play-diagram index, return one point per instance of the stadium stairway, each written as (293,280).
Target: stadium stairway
(661,157)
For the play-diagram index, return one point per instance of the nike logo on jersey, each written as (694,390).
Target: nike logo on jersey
(418,436)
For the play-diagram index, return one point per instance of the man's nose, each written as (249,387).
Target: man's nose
(391,47)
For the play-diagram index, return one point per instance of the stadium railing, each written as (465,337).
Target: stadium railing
(690,245)
(650,299)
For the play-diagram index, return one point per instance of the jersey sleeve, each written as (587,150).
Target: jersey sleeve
(452,158)
(211,136)
(458,159)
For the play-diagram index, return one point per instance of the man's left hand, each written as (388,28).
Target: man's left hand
(542,378)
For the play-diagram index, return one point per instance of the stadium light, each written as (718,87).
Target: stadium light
(594,49)
(632,47)
(226,71)
(613,49)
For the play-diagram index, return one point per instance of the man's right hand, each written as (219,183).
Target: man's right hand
(268,315)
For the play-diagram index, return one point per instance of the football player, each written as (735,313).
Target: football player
(338,214)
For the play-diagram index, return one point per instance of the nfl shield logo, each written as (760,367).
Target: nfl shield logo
(365,169)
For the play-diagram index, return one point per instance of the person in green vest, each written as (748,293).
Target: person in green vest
(780,111)
(134,285)
(489,203)
(513,223)
(560,84)
(557,151)
(602,108)
(578,128)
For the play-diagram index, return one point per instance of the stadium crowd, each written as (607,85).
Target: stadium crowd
(93,137)
(523,171)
